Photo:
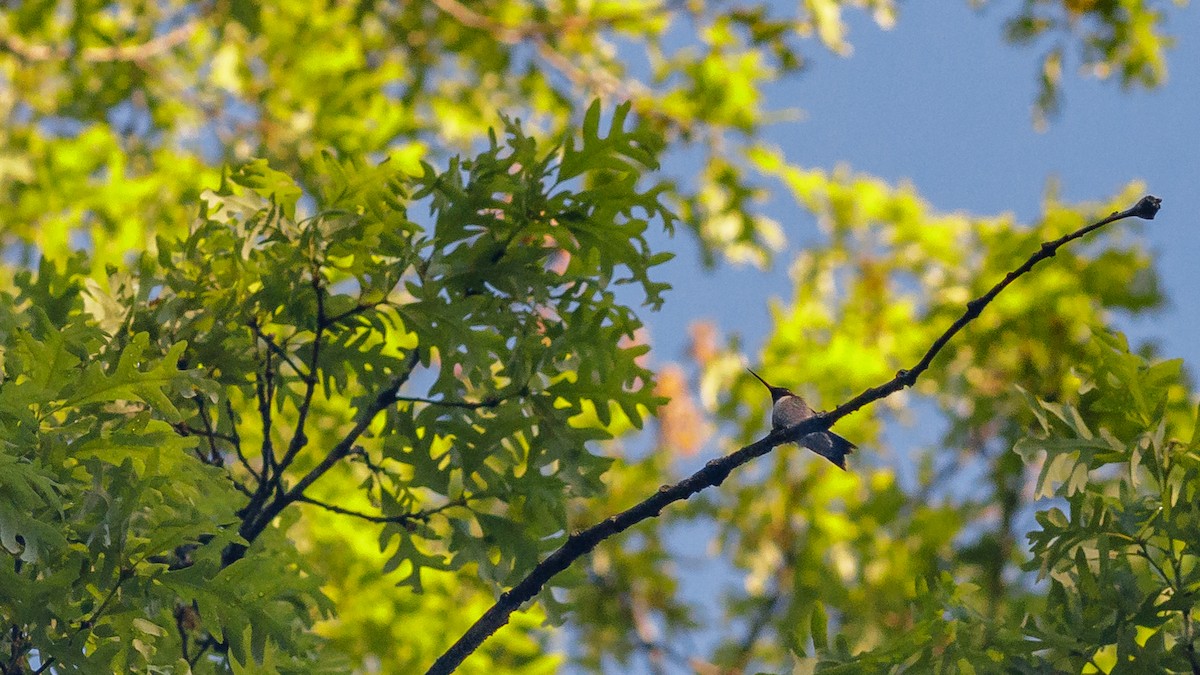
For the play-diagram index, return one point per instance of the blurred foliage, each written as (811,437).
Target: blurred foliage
(1122,38)
(117,115)
(262,350)
(311,347)
(894,277)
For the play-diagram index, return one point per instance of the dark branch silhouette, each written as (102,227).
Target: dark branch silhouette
(259,513)
(581,542)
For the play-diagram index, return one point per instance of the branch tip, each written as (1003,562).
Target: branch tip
(1147,207)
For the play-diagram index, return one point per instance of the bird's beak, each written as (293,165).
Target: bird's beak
(765,383)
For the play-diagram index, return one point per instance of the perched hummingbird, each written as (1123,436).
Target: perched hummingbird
(789,409)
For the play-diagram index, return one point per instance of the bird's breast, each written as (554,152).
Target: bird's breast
(790,410)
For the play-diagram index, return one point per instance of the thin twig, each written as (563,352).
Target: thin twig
(1153,563)
(188,430)
(269,478)
(415,516)
(299,438)
(237,485)
(264,388)
(236,439)
(360,453)
(90,622)
(490,402)
(385,398)
(715,472)
(278,350)
(209,432)
(353,311)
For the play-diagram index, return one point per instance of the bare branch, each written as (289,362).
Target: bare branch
(1145,208)
(581,542)
(416,516)
(135,52)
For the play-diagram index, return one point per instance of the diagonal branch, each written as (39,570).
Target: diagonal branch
(1145,208)
(581,542)
(29,51)
(279,351)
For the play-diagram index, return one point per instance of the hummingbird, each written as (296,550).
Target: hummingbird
(788,409)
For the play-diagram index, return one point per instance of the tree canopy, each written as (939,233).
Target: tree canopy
(325,326)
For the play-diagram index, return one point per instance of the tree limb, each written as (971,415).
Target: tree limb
(581,542)
(134,52)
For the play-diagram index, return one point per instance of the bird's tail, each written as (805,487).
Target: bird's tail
(837,450)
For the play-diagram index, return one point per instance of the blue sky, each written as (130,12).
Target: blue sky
(943,102)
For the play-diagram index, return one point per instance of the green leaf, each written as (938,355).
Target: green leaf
(819,623)
(275,186)
(128,382)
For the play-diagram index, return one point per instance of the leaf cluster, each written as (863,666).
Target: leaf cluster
(457,368)
(105,502)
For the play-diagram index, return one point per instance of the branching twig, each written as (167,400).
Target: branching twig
(264,389)
(353,311)
(279,351)
(299,438)
(188,430)
(90,622)
(715,472)
(268,477)
(257,520)
(360,453)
